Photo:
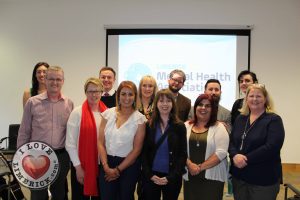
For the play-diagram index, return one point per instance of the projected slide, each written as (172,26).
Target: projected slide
(201,57)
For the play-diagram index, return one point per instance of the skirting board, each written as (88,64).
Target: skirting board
(290,167)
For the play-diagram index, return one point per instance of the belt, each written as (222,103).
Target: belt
(118,157)
(59,151)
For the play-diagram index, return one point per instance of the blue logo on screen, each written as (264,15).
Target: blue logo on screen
(136,71)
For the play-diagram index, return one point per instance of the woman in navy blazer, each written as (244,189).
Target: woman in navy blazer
(255,143)
(163,165)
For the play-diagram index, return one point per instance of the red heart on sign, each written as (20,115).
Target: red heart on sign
(36,167)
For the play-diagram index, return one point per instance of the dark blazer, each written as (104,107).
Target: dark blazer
(183,105)
(261,146)
(177,151)
(235,109)
(109,101)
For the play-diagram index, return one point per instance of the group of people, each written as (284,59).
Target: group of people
(118,138)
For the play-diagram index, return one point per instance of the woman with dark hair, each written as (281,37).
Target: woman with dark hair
(164,152)
(245,78)
(121,136)
(207,147)
(38,81)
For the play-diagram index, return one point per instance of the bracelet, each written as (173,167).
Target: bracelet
(104,163)
(118,169)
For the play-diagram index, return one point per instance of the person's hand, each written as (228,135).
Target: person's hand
(193,168)
(79,174)
(155,179)
(240,161)
(163,181)
(159,181)
(111,174)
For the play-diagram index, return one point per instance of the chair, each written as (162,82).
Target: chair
(9,186)
(11,140)
(295,191)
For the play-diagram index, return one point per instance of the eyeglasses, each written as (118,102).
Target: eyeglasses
(177,81)
(59,80)
(94,92)
(204,105)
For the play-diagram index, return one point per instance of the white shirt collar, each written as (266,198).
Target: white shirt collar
(110,92)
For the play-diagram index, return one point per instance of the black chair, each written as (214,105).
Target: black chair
(10,145)
(9,187)
(295,191)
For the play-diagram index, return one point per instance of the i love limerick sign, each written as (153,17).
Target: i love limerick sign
(35,165)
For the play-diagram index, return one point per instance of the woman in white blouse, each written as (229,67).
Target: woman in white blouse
(120,142)
(81,141)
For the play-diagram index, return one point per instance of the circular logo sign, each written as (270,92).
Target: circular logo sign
(35,165)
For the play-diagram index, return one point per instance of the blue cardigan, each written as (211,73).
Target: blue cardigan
(261,147)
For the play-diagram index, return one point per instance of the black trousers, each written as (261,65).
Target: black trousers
(246,191)
(57,189)
(122,188)
(153,191)
(77,188)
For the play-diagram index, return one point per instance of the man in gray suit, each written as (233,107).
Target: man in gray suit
(183,104)
(213,88)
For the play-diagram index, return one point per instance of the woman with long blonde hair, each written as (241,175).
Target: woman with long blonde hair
(146,93)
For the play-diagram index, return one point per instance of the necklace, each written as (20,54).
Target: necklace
(246,131)
(198,142)
(198,137)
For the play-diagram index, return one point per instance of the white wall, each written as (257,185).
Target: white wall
(70,33)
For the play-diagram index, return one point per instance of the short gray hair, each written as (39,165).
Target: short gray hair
(56,69)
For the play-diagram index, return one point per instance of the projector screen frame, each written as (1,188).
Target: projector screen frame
(230,30)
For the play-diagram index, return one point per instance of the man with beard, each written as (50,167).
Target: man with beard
(183,104)
(213,87)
